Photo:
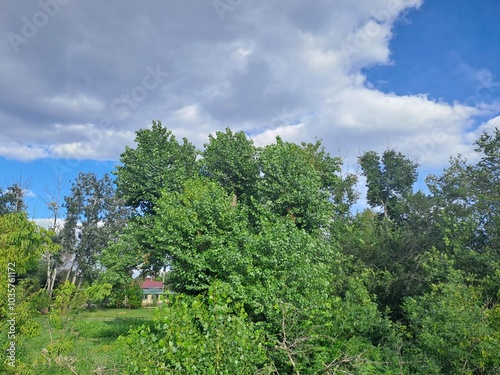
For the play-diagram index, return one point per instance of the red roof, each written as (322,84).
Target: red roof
(150,284)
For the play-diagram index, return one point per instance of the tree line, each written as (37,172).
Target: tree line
(272,271)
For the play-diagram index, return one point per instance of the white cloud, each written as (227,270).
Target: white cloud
(74,150)
(29,193)
(188,113)
(48,223)
(287,133)
(14,150)
(488,127)
(97,145)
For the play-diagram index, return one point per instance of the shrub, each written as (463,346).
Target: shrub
(201,335)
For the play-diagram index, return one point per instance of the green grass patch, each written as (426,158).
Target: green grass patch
(104,329)
(87,344)
(107,314)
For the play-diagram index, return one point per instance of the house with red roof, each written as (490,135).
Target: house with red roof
(152,291)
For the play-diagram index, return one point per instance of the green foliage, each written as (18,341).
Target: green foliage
(468,221)
(198,335)
(17,328)
(207,239)
(22,244)
(97,293)
(199,232)
(68,301)
(95,216)
(455,330)
(299,182)
(12,200)
(121,257)
(389,180)
(231,159)
(133,295)
(40,301)
(268,264)
(159,162)
(394,252)
(272,273)
(338,335)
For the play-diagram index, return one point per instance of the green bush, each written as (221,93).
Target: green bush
(201,335)
(134,295)
(454,330)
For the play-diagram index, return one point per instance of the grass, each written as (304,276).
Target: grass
(110,314)
(86,345)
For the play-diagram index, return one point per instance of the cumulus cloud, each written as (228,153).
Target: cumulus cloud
(287,132)
(82,84)
(14,150)
(29,193)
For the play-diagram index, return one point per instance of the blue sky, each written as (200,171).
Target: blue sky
(77,79)
(446,49)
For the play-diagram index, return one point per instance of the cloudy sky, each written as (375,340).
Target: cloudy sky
(78,78)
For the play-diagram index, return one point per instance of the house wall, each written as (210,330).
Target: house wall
(150,299)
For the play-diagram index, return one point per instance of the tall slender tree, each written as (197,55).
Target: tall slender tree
(389,180)
(12,199)
(95,216)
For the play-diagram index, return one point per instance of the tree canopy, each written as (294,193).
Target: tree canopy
(389,180)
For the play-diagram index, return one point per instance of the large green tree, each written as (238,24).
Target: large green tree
(317,314)
(158,162)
